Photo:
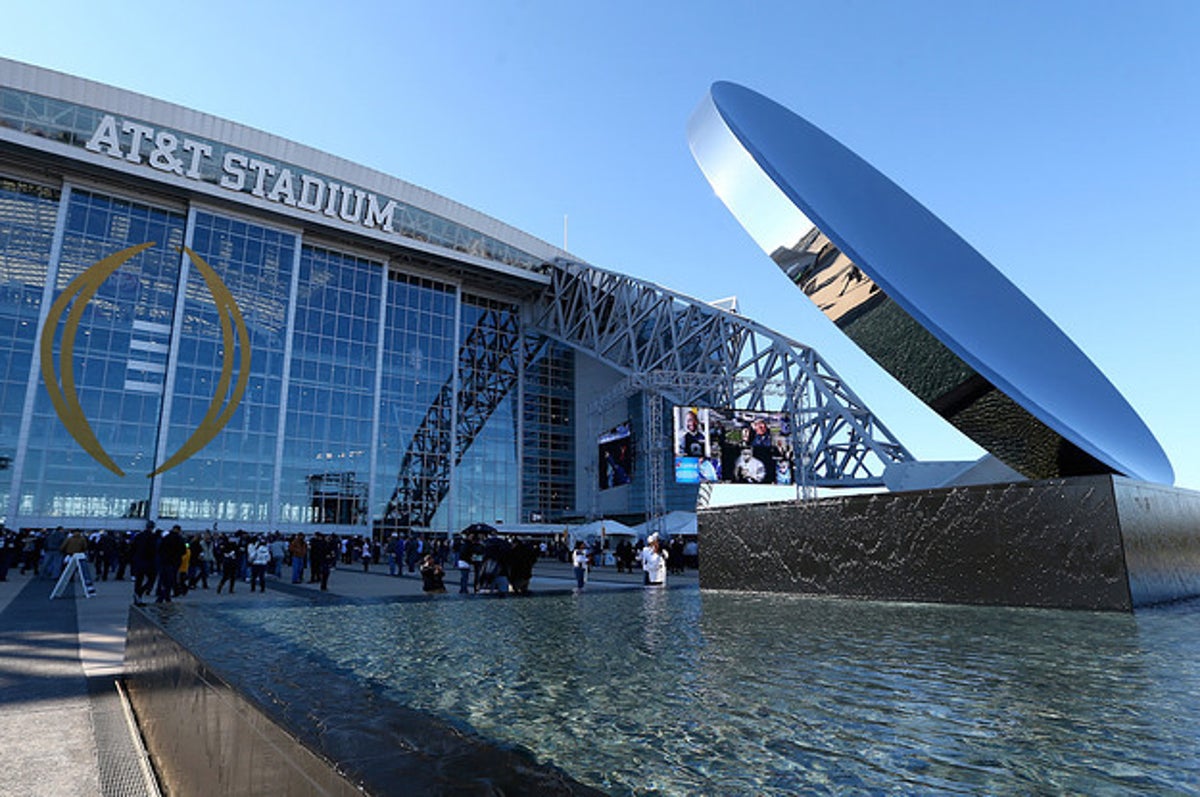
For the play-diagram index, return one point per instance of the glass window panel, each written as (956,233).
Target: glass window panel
(325,469)
(232,477)
(547,485)
(27,217)
(410,421)
(110,355)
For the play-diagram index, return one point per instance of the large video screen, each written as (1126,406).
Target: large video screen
(732,446)
(616,457)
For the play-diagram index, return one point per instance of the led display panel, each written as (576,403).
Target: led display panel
(615,457)
(732,446)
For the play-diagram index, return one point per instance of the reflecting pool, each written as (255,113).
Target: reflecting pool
(682,692)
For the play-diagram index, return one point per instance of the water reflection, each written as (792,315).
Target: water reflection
(678,692)
(928,368)
(951,698)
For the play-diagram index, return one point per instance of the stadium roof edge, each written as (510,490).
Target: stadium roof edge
(60,85)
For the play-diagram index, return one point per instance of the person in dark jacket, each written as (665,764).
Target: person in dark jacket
(124,541)
(7,546)
(324,552)
(520,566)
(143,557)
(106,554)
(432,575)
(170,555)
(226,552)
(493,576)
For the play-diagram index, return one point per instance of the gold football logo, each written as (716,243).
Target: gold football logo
(80,291)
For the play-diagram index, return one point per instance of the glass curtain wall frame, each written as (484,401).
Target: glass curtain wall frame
(119,364)
(374,498)
(332,391)
(231,481)
(548,452)
(31,215)
(416,395)
(486,481)
(149,354)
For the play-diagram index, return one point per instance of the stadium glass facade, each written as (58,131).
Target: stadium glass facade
(360,326)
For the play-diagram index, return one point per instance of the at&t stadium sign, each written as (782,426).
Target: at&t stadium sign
(183,156)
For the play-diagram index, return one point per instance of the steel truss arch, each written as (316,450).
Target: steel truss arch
(691,352)
(669,346)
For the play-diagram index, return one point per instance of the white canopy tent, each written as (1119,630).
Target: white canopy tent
(674,524)
(598,529)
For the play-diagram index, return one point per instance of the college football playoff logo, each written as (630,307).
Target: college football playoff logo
(63,395)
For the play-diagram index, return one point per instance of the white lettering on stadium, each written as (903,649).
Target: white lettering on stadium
(241,172)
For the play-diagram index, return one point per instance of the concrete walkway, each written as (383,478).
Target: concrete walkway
(63,725)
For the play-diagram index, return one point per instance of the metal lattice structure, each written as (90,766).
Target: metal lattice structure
(653,443)
(671,348)
(489,367)
(690,352)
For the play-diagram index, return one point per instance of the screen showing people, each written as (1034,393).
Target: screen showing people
(616,457)
(738,446)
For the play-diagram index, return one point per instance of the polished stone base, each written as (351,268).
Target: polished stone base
(206,737)
(255,727)
(1095,542)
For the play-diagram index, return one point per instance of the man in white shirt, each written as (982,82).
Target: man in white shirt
(654,562)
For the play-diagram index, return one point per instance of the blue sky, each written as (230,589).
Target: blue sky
(1060,139)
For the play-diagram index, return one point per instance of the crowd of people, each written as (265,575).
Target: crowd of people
(166,563)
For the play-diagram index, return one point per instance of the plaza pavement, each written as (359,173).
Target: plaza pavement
(64,727)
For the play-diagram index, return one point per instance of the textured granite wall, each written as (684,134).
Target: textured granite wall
(1096,542)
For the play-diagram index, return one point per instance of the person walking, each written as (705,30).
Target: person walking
(52,555)
(171,548)
(7,546)
(316,555)
(106,554)
(76,543)
(654,562)
(143,552)
(278,552)
(298,548)
(226,552)
(395,553)
(31,551)
(323,552)
(463,566)
(329,559)
(413,551)
(204,561)
(124,541)
(185,566)
(579,560)
(258,553)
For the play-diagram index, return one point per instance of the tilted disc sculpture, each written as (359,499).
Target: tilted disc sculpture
(916,297)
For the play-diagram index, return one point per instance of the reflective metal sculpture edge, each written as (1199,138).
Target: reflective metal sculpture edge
(915,296)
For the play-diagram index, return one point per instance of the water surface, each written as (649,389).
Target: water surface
(681,692)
